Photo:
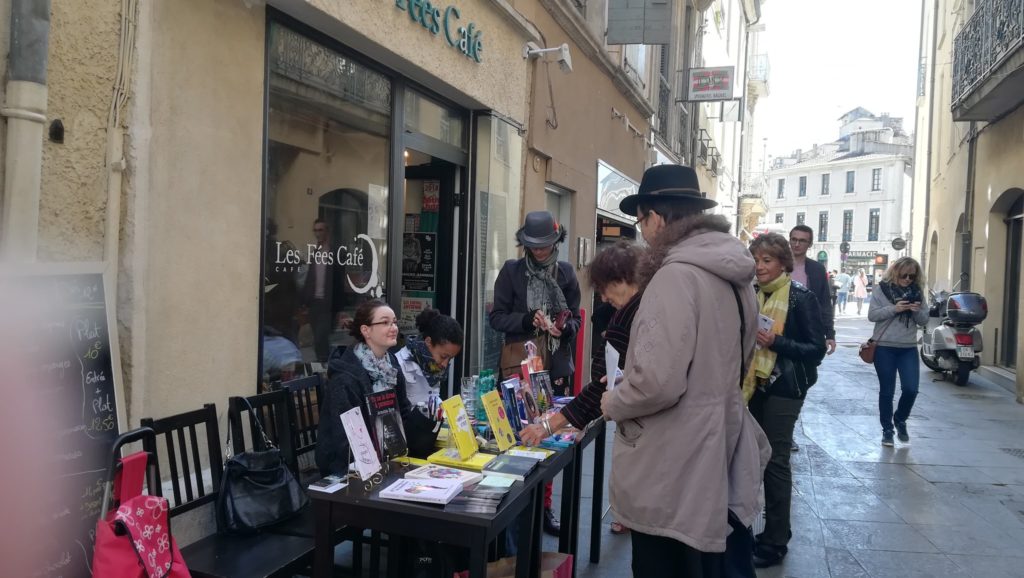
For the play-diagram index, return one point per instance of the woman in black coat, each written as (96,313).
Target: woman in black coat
(365,368)
(530,293)
(785,366)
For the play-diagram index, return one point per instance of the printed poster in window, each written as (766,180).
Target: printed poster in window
(411,307)
(418,253)
(431,196)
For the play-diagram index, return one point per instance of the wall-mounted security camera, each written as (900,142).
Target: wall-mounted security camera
(532,50)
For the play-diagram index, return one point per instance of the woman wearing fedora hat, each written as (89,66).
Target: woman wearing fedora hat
(538,298)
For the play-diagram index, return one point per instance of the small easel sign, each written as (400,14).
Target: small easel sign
(361,450)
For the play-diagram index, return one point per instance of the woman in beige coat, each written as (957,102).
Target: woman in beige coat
(688,456)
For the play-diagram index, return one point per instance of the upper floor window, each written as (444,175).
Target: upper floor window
(779,217)
(847,226)
(635,62)
(876,179)
(850,181)
(803,186)
(873,218)
(782,189)
(824,183)
(823,226)
(800,218)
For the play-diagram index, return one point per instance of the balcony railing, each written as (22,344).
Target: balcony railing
(994,32)
(759,68)
(664,102)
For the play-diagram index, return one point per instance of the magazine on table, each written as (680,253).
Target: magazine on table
(426,491)
(508,466)
(328,485)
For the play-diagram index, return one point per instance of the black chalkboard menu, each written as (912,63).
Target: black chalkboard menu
(75,370)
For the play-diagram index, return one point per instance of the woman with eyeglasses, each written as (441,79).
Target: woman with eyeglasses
(364,368)
(897,307)
(425,358)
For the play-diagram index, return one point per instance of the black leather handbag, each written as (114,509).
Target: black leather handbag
(257,489)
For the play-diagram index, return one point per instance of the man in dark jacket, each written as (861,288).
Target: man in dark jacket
(813,275)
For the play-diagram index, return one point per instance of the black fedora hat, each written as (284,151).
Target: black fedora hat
(540,230)
(674,183)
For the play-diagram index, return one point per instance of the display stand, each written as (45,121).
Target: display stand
(375,480)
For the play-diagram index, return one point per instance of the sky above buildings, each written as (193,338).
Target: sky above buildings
(828,57)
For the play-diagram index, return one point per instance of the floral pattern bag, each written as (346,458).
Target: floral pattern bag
(135,539)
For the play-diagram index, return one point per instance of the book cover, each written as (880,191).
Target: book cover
(426,491)
(476,462)
(496,416)
(508,396)
(508,466)
(539,454)
(436,472)
(328,485)
(542,389)
(530,405)
(459,427)
(364,454)
(382,408)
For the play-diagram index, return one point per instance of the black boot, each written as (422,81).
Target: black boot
(551,524)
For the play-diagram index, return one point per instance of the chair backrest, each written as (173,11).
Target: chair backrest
(180,438)
(272,411)
(304,407)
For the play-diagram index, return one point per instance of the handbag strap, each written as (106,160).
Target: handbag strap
(743,333)
(257,420)
(884,328)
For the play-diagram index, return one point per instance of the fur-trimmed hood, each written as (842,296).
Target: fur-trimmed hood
(704,241)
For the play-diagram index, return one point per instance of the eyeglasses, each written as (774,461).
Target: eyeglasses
(908,276)
(641,220)
(387,322)
(794,241)
(319,230)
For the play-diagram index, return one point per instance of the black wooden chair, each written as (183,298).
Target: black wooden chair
(304,409)
(219,555)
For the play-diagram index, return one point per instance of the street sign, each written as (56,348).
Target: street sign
(899,244)
(844,248)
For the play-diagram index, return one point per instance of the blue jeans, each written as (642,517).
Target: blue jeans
(842,299)
(889,361)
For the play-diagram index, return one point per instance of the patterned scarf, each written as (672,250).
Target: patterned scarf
(773,299)
(382,373)
(895,294)
(423,358)
(542,291)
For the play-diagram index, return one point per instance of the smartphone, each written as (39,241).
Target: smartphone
(562,318)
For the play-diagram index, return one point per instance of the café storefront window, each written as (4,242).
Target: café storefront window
(326,197)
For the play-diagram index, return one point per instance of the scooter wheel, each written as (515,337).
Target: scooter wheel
(963,373)
(929,364)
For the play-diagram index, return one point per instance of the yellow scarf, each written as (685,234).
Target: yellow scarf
(776,306)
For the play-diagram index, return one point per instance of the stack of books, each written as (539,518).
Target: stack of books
(515,467)
(436,472)
(479,500)
(426,491)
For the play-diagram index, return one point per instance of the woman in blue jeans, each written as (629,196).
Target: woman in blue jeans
(897,308)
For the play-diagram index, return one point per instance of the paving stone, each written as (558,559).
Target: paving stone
(853,535)
(907,565)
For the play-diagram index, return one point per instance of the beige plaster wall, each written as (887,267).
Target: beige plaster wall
(80,76)
(498,82)
(193,226)
(5,40)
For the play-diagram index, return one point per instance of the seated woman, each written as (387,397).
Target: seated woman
(784,368)
(424,359)
(612,275)
(365,368)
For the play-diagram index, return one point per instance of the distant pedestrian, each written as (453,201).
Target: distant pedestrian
(842,285)
(812,274)
(897,307)
(860,289)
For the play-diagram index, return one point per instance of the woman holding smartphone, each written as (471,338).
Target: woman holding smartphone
(897,308)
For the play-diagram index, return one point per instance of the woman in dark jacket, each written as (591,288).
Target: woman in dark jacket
(365,368)
(785,366)
(531,292)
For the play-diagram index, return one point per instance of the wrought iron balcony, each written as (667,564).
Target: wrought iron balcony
(988,62)
(664,102)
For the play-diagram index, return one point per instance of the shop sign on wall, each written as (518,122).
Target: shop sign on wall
(466,39)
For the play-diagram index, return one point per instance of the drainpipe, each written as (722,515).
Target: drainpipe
(931,127)
(966,238)
(25,111)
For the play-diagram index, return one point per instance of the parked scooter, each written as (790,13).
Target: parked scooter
(952,344)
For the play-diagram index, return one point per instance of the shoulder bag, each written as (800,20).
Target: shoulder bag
(867,349)
(257,489)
